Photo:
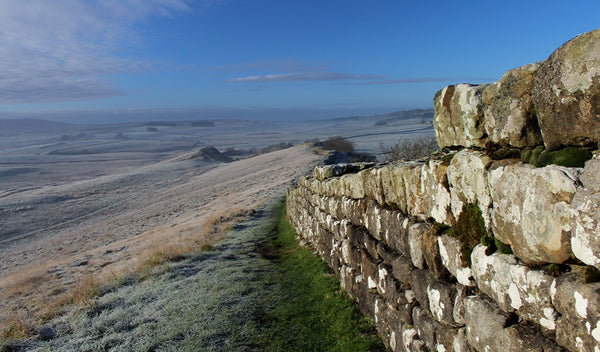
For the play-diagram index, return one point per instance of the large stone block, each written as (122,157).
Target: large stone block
(515,287)
(426,327)
(371,180)
(441,299)
(510,118)
(491,330)
(401,185)
(566,93)
(458,118)
(578,328)
(531,210)
(435,196)
(585,240)
(416,245)
(468,182)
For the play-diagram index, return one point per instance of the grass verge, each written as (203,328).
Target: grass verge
(314,313)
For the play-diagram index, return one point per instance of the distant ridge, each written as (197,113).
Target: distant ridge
(395,115)
(31,125)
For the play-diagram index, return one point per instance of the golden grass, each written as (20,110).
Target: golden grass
(38,294)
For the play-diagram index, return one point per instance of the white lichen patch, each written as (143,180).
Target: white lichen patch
(549,320)
(436,306)
(596,332)
(515,296)
(464,276)
(581,305)
(371,284)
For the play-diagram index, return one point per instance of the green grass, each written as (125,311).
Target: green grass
(314,313)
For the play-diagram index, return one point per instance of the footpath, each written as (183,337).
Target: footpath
(228,298)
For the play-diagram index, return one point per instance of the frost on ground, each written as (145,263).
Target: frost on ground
(212,301)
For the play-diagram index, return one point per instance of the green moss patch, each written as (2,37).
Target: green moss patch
(503,247)
(470,229)
(569,157)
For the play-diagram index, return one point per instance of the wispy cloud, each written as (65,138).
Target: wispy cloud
(57,50)
(281,65)
(304,76)
(403,81)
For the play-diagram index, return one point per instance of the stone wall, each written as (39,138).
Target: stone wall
(469,251)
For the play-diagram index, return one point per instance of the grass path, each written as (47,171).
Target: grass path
(255,291)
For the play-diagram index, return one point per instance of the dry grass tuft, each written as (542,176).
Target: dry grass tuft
(17,325)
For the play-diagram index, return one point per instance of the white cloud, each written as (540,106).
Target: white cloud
(57,50)
(304,76)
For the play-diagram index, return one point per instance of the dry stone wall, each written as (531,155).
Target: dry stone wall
(470,251)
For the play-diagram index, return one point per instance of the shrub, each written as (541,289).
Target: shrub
(411,148)
(338,143)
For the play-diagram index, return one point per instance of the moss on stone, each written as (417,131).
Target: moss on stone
(569,157)
(526,155)
(554,269)
(486,240)
(469,228)
(503,247)
(447,158)
(504,153)
(535,154)
(591,274)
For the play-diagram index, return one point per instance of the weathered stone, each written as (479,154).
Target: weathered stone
(431,253)
(415,243)
(420,280)
(372,220)
(589,177)
(369,271)
(585,240)
(411,342)
(531,210)
(468,183)
(510,118)
(426,327)
(515,287)
(393,187)
(578,328)
(450,252)
(490,329)
(401,268)
(566,93)
(452,340)
(350,186)
(387,286)
(441,299)
(371,179)
(395,232)
(458,118)
(435,196)
(458,314)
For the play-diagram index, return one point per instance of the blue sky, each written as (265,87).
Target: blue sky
(271,59)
